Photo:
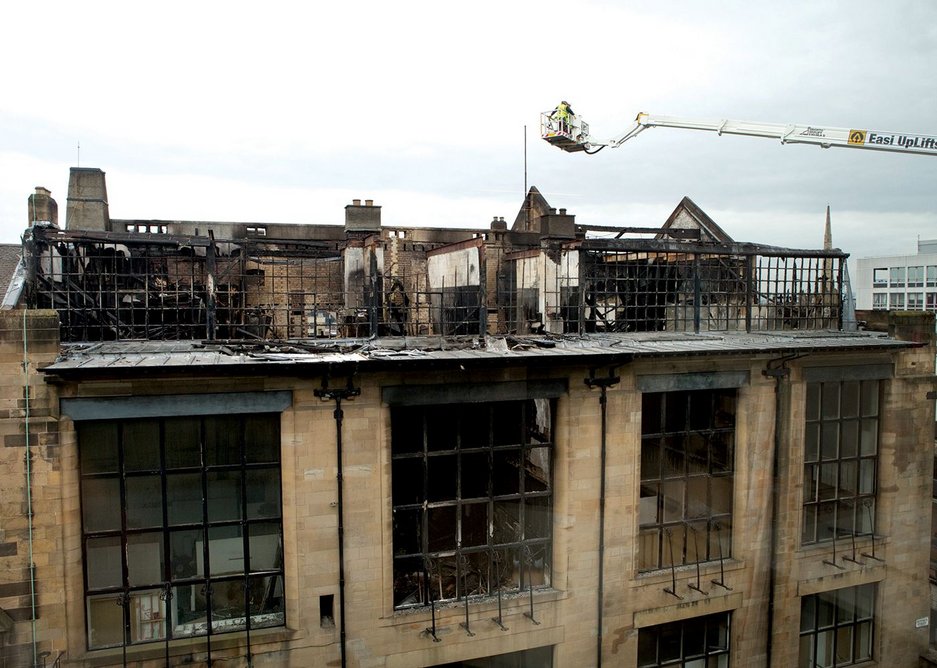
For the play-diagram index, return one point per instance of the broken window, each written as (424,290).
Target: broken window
(181,527)
(687,474)
(840,459)
(690,643)
(472,488)
(836,627)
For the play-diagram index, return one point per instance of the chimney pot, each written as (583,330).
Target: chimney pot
(562,212)
(369,202)
(552,210)
(356,202)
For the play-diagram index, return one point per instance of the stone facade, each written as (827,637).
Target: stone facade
(765,608)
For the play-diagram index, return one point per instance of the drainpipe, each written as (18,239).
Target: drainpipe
(603,384)
(29,493)
(337,394)
(777,369)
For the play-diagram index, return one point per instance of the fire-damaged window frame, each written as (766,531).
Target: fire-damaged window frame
(445,419)
(699,446)
(165,496)
(842,409)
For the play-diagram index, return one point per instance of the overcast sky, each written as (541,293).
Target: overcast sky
(284,112)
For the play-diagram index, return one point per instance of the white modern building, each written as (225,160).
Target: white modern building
(898,282)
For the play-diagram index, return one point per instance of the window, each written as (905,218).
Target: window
(931,301)
(915,277)
(880,277)
(840,459)
(472,486)
(931,276)
(896,300)
(916,301)
(879,300)
(896,277)
(836,627)
(256,231)
(687,455)
(181,526)
(700,642)
(540,657)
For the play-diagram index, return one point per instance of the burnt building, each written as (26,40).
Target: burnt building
(549,444)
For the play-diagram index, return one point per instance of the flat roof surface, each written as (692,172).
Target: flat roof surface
(374,354)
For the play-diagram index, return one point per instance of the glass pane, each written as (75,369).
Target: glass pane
(647,505)
(262,438)
(145,559)
(506,472)
(694,637)
(473,426)
(806,652)
(830,406)
(537,470)
(144,501)
(810,524)
(673,500)
(649,549)
(669,646)
(441,529)
(870,398)
(845,605)
(812,406)
(721,451)
(845,518)
(647,648)
(190,610)
(721,489)
(409,584)
(844,645)
(829,440)
(103,562)
(474,475)
(225,550)
(697,541)
(697,454)
(697,502)
(863,639)
(811,482)
(827,485)
(811,442)
(808,619)
(266,547)
(506,522)
(849,439)
(537,517)
(867,476)
(675,408)
(263,493)
(826,520)
(440,434)
(848,478)
(869,440)
(865,601)
(97,446)
(650,458)
(100,504)
(228,606)
(182,436)
(674,464)
(141,445)
(651,411)
(105,621)
(406,430)
(442,477)
(222,440)
(407,480)
(474,524)
(147,616)
(185,554)
(224,496)
(673,546)
(507,423)
(184,498)
(267,602)
(850,405)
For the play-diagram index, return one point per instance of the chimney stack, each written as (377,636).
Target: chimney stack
(362,220)
(42,208)
(87,200)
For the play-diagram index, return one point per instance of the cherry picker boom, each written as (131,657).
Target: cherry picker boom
(572,134)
